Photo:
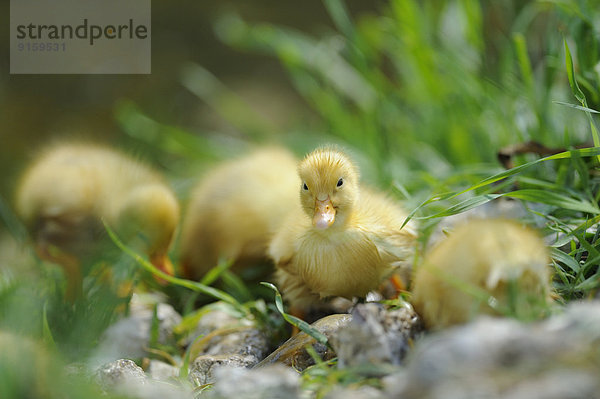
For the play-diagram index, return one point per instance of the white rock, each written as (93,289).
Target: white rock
(269,382)
(130,336)
(204,367)
(119,373)
(162,371)
(124,377)
(376,335)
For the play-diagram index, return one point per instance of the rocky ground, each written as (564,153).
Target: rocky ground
(381,352)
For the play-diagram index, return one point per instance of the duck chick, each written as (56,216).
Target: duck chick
(342,240)
(235,210)
(485,266)
(70,188)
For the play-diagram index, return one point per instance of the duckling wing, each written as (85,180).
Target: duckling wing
(396,251)
(381,219)
(394,248)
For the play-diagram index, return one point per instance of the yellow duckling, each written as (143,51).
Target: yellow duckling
(70,188)
(343,240)
(485,266)
(236,208)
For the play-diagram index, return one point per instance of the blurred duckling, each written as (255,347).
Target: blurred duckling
(343,240)
(235,210)
(70,188)
(485,266)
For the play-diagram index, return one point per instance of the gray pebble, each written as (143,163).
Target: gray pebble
(202,370)
(363,392)
(130,336)
(124,377)
(162,371)
(271,382)
(121,372)
(222,334)
(376,335)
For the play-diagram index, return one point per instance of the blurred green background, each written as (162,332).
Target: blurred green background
(37,108)
(415,87)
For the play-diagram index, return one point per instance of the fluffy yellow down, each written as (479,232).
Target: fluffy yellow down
(70,187)
(341,239)
(236,208)
(477,266)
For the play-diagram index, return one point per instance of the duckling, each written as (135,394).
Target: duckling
(341,239)
(484,267)
(71,187)
(235,210)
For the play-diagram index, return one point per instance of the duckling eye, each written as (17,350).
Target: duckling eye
(304,187)
(340,182)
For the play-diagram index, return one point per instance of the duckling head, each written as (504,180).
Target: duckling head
(149,215)
(329,187)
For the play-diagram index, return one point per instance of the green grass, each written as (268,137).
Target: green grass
(424,102)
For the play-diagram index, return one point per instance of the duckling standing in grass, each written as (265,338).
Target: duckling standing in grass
(486,266)
(236,209)
(70,188)
(343,240)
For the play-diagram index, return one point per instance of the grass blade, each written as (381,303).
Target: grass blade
(532,195)
(565,259)
(571,75)
(464,206)
(579,94)
(236,286)
(553,199)
(583,152)
(46,332)
(579,107)
(301,324)
(339,14)
(192,285)
(216,272)
(185,364)
(523,58)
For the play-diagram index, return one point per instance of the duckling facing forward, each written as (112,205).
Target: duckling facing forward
(235,210)
(67,192)
(486,266)
(343,240)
